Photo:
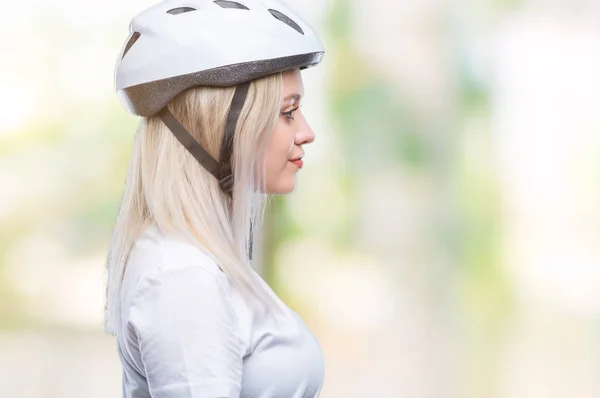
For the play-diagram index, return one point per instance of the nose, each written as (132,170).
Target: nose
(305,134)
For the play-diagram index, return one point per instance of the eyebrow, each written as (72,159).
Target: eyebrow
(295,97)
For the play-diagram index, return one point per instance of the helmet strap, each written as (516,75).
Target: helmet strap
(237,103)
(189,143)
(222,170)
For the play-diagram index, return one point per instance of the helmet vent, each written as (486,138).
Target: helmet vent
(180,10)
(286,20)
(230,4)
(134,37)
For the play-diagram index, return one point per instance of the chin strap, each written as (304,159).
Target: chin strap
(250,243)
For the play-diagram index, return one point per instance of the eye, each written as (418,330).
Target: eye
(290,114)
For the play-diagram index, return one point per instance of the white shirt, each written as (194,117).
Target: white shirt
(187,332)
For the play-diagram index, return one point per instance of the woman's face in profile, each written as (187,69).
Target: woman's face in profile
(284,149)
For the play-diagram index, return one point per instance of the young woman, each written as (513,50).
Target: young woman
(218,86)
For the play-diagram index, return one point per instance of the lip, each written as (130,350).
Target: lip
(298,163)
(299,157)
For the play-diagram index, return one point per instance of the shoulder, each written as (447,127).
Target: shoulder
(164,265)
(187,335)
(156,253)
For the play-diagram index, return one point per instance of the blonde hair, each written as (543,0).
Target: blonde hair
(167,187)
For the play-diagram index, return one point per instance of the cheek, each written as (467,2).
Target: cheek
(280,145)
(280,174)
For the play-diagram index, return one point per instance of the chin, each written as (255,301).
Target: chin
(282,187)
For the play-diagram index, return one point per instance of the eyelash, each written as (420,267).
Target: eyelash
(289,114)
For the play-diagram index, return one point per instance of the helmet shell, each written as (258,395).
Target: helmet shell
(178,44)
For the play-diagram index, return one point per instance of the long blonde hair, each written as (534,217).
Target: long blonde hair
(167,187)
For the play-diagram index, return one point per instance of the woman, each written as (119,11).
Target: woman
(218,85)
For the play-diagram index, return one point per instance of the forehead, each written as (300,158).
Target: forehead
(292,83)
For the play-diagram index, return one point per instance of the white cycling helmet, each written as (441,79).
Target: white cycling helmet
(178,44)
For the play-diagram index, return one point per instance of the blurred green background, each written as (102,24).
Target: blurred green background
(444,239)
